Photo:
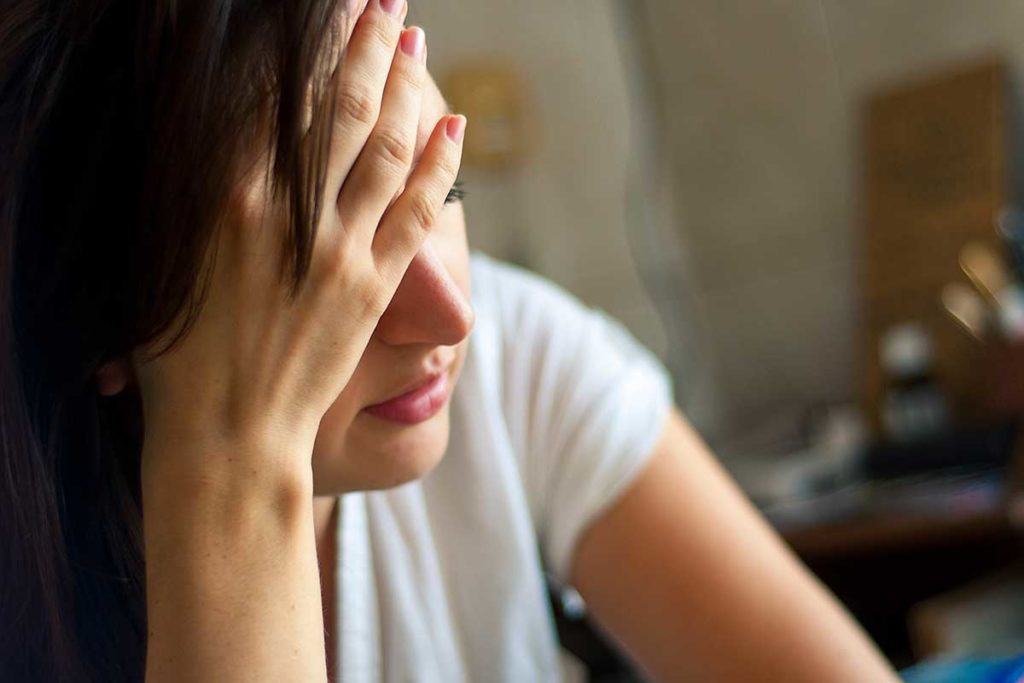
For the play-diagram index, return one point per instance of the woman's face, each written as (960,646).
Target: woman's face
(390,424)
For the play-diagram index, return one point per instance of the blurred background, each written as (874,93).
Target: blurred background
(807,209)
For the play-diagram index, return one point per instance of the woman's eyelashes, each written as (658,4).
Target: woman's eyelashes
(456,194)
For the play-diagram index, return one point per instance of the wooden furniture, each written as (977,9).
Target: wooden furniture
(935,176)
(886,571)
(882,566)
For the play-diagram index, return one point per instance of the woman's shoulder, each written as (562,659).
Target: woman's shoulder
(581,400)
(497,282)
(528,315)
(547,356)
(522,304)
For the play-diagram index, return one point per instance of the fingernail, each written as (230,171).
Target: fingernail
(412,42)
(392,7)
(456,128)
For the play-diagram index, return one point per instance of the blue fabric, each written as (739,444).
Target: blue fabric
(1010,670)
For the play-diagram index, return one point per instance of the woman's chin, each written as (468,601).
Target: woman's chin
(381,454)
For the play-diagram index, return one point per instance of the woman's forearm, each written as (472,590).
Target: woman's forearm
(232,586)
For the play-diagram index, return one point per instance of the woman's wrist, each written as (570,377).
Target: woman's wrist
(183,469)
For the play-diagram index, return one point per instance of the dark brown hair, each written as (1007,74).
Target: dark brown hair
(122,123)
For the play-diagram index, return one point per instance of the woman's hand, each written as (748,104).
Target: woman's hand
(260,368)
(232,410)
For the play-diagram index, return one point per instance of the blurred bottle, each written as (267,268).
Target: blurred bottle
(914,405)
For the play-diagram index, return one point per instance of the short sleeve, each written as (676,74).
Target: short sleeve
(588,403)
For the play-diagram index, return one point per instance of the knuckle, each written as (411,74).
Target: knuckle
(331,255)
(448,169)
(378,32)
(394,148)
(333,263)
(408,76)
(370,299)
(423,211)
(354,103)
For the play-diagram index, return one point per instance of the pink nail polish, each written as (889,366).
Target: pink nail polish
(455,129)
(392,7)
(412,42)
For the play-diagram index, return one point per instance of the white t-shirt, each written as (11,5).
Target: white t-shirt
(555,413)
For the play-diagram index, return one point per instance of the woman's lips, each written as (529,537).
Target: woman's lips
(415,406)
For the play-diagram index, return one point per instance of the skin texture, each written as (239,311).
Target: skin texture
(425,327)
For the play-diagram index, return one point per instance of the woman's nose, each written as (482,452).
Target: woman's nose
(429,307)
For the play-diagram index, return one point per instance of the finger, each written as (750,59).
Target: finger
(360,80)
(384,162)
(411,218)
(349,12)
(342,23)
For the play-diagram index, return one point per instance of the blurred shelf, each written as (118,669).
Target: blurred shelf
(884,547)
(882,533)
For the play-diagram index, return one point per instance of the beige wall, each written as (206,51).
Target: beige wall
(761,115)
(757,102)
(588,199)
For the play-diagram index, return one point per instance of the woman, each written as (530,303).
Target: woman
(236,300)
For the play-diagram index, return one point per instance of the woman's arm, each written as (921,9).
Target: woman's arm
(232,582)
(688,576)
